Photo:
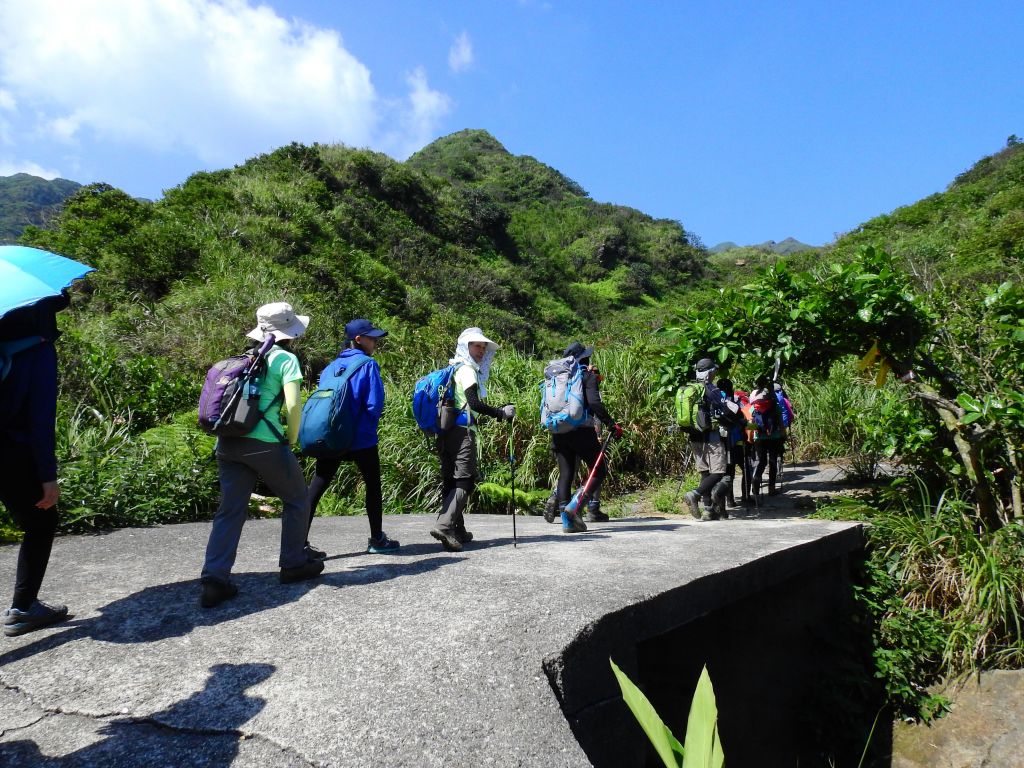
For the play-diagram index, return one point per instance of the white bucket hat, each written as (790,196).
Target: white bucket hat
(475,334)
(462,354)
(279,319)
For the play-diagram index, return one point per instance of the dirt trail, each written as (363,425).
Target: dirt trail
(803,485)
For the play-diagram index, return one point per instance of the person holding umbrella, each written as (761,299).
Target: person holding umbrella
(31,294)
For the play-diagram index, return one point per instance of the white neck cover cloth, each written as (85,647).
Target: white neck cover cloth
(462,355)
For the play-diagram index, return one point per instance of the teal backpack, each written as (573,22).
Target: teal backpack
(328,417)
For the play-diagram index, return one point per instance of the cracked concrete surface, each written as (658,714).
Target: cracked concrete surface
(420,658)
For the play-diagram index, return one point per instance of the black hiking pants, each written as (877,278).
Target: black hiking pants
(569,449)
(768,453)
(367,461)
(738,458)
(20,489)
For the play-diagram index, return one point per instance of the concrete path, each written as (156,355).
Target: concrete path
(421,658)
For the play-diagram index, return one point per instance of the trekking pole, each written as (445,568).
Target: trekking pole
(581,495)
(682,477)
(512,467)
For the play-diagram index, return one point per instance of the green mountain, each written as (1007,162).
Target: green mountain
(786,247)
(728,245)
(973,231)
(463,232)
(29,200)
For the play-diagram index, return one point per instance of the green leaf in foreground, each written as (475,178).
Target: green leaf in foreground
(703,748)
(665,744)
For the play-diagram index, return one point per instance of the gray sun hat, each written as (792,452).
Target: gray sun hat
(279,319)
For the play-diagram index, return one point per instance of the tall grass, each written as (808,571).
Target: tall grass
(975,579)
(946,598)
(409,464)
(111,477)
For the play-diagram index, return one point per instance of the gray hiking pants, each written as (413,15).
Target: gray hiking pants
(457,450)
(240,460)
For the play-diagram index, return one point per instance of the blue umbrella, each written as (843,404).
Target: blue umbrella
(28,275)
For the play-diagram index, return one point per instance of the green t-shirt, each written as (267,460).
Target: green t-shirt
(465,377)
(282,367)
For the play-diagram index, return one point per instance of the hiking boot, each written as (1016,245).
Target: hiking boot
(463,535)
(37,616)
(595,515)
(308,570)
(448,539)
(693,500)
(312,553)
(216,592)
(382,545)
(571,522)
(551,508)
(707,516)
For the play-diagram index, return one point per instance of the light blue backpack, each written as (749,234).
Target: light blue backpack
(562,407)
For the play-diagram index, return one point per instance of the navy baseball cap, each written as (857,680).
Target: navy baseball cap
(577,350)
(362,327)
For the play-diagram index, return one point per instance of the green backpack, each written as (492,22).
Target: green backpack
(691,410)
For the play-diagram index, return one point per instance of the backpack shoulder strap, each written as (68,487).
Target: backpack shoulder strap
(354,365)
(271,425)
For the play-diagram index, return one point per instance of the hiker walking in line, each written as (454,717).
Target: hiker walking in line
(266,453)
(768,437)
(29,491)
(736,453)
(581,443)
(788,416)
(367,403)
(457,446)
(698,404)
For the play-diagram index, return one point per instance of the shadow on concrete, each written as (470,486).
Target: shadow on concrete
(203,729)
(173,610)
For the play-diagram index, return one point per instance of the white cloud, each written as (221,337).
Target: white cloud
(7,102)
(220,79)
(460,55)
(11,167)
(418,116)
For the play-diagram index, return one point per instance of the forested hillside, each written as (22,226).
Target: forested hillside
(973,231)
(29,200)
(462,232)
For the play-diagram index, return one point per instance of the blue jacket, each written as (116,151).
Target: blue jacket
(367,396)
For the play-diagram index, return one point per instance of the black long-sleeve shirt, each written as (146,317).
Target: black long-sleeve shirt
(478,406)
(28,396)
(592,398)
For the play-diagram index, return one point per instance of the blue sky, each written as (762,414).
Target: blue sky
(744,121)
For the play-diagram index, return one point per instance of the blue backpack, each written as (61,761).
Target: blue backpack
(431,393)
(787,415)
(328,424)
(562,405)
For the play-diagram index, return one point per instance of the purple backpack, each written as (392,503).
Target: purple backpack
(229,405)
